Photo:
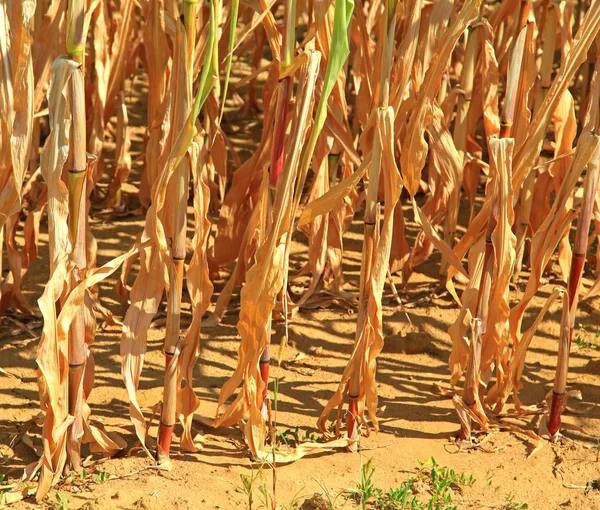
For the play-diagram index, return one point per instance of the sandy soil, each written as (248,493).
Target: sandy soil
(417,422)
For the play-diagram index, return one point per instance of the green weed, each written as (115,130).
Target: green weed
(511,504)
(62,501)
(594,343)
(102,477)
(441,483)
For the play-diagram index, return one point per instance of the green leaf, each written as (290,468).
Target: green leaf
(232,27)
(340,50)
(210,62)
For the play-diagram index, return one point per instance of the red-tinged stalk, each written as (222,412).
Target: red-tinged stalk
(560,379)
(284,95)
(77,225)
(582,237)
(582,234)
(515,89)
(371,217)
(179,185)
(352,414)
(577,264)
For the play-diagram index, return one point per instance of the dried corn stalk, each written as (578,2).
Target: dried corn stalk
(376,253)
(53,354)
(263,283)
(147,290)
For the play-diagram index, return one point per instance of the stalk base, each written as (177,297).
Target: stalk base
(555,412)
(75,432)
(165,435)
(264,375)
(351,418)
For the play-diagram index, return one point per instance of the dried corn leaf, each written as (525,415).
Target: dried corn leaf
(237,206)
(121,50)
(123,163)
(528,152)
(414,146)
(48,43)
(470,407)
(438,242)
(554,227)
(157,58)
(16,112)
(317,230)
(459,355)
(253,238)
(102,69)
(335,196)
(524,159)
(283,456)
(448,160)
(490,79)
(565,131)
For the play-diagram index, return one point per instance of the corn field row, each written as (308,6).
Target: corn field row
(365,106)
